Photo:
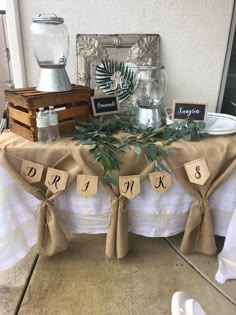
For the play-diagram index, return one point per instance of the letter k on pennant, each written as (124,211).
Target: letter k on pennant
(160,181)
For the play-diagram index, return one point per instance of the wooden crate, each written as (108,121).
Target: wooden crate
(24,103)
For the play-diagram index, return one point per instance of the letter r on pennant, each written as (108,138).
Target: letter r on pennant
(56,180)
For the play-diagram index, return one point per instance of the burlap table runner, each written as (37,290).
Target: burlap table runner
(51,237)
(67,156)
(117,234)
(220,154)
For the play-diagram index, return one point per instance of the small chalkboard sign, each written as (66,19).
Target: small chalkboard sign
(105,105)
(189,110)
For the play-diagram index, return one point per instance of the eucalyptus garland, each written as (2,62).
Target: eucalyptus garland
(105,147)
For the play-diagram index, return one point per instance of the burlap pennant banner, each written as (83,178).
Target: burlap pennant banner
(160,181)
(56,180)
(32,172)
(129,186)
(87,185)
(197,171)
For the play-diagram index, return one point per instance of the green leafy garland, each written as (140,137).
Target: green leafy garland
(186,129)
(105,147)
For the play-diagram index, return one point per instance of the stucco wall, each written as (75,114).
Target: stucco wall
(193,34)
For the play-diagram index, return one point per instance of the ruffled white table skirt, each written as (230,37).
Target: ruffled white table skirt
(151,214)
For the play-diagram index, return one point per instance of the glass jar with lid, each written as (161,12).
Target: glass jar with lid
(50,40)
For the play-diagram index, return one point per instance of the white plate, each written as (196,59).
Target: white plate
(216,124)
(220,124)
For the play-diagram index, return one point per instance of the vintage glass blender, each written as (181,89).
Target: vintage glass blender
(149,92)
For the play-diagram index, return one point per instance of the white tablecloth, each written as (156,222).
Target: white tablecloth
(151,214)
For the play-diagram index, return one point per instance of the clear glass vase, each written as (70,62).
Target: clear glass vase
(149,93)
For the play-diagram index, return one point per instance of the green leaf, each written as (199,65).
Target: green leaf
(183,131)
(103,75)
(182,123)
(112,180)
(169,141)
(93,146)
(86,141)
(204,135)
(187,137)
(105,147)
(201,125)
(137,150)
(163,167)
(175,125)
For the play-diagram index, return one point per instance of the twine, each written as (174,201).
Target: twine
(117,176)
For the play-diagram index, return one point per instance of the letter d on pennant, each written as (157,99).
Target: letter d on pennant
(31,171)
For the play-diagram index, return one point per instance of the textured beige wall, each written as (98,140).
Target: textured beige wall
(193,34)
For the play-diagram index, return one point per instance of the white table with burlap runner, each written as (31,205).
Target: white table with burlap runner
(75,159)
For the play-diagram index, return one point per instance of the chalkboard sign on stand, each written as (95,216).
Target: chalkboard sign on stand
(105,105)
(189,110)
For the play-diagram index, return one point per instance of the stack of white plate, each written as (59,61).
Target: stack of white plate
(216,124)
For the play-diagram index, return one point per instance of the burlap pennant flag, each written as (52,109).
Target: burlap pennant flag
(56,180)
(160,181)
(197,171)
(129,186)
(31,171)
(87,185)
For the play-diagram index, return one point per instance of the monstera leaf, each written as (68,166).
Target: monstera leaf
(116,78)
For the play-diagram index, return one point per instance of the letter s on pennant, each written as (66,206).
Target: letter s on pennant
(197,171)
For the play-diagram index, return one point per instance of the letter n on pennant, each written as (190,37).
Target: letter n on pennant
(32,172)
(160,181)
(197,171)
(87,185)
(129,186)
(56,180)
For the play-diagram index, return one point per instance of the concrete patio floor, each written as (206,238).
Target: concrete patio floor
(82,281)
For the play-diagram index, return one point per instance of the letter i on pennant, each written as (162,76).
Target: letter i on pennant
(197,171)
(32,172)
(87,185)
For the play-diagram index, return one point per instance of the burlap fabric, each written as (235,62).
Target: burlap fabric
(51,237)
(117,234)
(220,154)
(75,159)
